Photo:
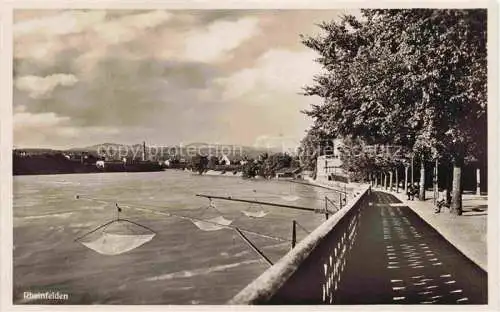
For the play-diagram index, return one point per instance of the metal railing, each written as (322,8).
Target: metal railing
(310,272)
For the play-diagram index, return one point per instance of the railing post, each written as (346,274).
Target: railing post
(294,233)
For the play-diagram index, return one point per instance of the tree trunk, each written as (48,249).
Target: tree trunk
(478,181)
(456,192)
(406,179)
(412,177)
(397,181)
(390,180)
(449,179)
(421,195)
(435,181)
(386,181)
(376,180)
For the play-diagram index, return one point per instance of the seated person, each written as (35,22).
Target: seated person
(411,192)
(440,200)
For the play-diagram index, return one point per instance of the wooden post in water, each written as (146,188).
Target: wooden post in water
(294,233)
(229,198)
(253,246)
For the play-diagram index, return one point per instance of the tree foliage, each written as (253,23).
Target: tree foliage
(359,159)
(412,77)
(267,165)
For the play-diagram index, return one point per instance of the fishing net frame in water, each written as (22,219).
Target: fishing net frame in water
(112,244)
(255,214)
(212,224)
(202,224)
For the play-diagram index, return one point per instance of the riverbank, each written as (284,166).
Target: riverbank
(59,164)
(232,174)
(351,189)
(238,174)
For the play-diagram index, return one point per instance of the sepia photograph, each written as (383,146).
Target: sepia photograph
(224,156)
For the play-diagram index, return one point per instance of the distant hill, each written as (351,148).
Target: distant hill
(38,150)
(185,150)
(104,146)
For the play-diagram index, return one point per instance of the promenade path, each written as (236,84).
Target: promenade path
(398,258)
(467,232)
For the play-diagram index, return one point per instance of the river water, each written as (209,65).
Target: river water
(180,265)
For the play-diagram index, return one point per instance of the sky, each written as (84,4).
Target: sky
(84,77)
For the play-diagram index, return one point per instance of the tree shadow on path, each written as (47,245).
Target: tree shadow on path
(399,259)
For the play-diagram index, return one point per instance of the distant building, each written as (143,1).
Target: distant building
(224,160)
(328,166)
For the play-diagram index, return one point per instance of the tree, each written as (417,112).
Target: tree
(199,163)
(250,169)
(415,78)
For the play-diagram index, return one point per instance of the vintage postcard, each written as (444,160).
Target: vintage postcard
(248,155)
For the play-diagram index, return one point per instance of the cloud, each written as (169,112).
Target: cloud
(172,98)
(34,130)
(60,24)
(268,95)
(275,71)
(86,32)
(269,141)
(218,38)
(42,38)
(29,120)
(130,26)
(161,76)
(38,87)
